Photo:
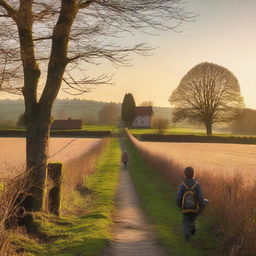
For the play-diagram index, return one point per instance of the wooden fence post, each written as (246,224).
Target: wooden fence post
(55,188)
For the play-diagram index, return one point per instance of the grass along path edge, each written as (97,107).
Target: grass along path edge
(87,234)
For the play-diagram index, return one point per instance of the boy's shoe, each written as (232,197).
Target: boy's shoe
(187,238)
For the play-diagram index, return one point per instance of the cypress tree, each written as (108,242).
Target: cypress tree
(128,109)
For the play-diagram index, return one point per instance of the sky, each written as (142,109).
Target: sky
(224,32)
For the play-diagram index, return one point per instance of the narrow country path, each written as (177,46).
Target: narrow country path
(133,235)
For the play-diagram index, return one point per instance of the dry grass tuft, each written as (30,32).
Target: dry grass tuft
(232,195)
(11,191)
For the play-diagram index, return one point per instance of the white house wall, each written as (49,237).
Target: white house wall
(142,121)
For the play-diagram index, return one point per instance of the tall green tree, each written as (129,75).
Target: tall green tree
(128,110)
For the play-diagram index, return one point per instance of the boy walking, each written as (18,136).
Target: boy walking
(191,202)
(125,159)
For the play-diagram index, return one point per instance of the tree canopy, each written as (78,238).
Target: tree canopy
(207,94)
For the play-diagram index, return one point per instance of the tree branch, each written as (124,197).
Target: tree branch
(85,3)
(11,11)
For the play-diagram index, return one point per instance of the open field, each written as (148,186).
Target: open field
(181,130)
(89,127)
(12,156)
(208,156)
(170,130)
(99,127)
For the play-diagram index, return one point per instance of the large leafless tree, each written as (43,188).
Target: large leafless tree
(44,42)
(207,94)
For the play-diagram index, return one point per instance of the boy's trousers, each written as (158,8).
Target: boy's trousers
(189,222)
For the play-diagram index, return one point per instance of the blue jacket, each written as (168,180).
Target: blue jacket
(181,190)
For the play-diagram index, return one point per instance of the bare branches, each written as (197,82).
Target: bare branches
(86,84)
(207,94)
(85,3)
(8,8)
(100,31)
(115,54)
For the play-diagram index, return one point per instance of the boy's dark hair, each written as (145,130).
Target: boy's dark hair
(189,172)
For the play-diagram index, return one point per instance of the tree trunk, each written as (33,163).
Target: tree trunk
(37,155)
(38,113)
(208,126)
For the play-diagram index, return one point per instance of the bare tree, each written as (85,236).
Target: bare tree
(207,94)
(161,124)
(44,42)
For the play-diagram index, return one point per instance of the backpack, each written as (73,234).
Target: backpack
(189,200)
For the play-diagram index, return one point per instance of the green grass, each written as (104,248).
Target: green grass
(99,127)
(87,127)
(15,128)
(170,130)
(88,233)
(158,201)
(174,130)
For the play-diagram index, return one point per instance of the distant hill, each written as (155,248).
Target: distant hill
(86,110)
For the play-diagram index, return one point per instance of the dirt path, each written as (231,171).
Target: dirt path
(133,235)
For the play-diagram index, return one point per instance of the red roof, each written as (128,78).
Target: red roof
(144,111)
(67,124)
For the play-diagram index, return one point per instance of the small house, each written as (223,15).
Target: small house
(68,124)
(143,117)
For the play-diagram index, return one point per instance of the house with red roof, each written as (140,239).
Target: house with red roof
(143,117)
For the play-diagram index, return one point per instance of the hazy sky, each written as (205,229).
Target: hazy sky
(224,33)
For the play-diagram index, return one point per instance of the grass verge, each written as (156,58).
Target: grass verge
(158,201)
(87,230)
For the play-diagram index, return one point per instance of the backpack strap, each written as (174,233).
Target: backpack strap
(186,186)
(194,186)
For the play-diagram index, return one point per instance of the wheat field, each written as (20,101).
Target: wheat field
(12,157)
(224,158)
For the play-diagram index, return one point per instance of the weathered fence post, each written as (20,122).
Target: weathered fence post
(55,188)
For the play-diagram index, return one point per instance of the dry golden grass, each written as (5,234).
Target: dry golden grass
(225,158)
(76,169)
(227,176)
(12,150)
